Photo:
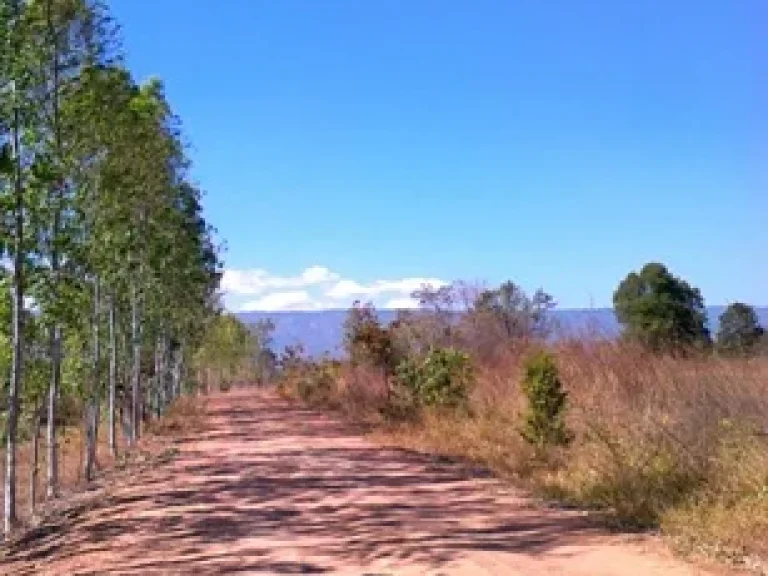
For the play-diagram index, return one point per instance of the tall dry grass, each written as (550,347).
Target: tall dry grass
(184,416)
(674,443)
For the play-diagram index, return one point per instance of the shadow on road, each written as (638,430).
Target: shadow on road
(274,488)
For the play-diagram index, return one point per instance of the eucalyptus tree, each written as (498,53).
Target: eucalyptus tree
(69,36)
(101,104)
(155,162)
(15,82)
(100,113)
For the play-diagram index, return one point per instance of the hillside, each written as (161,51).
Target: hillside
(321,331)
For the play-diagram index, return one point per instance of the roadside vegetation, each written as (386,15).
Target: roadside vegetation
(665,427)
(108,288)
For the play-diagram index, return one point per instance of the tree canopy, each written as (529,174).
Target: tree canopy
(740,331)
(661,310)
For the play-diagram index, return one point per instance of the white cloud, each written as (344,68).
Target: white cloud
(318,275)
(405,286)
(345,289)
(401,304)
(294,300)
(316,288)
(258,281)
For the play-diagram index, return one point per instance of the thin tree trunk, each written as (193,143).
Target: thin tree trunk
(158,394)
(125,367)
(112,376)
(167,372)
(14,390)
(52,484)
(136,367)
(167,392)
(35,459)
(55,339)
(53,398)
(97,378)
(92,416)
(178,359)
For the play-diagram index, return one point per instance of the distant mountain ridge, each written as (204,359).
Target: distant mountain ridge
(322,331)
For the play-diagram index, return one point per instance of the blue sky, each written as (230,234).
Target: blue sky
(352,148)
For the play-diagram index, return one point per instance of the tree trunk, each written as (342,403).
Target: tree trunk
(178,360)
(125,366)
(53,398)
(55,337)
(92,411)
(135,368)
(14,390)
(167,380)
(112,376)
(158,395)
(35,459)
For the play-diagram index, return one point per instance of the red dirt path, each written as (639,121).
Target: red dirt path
(271,488)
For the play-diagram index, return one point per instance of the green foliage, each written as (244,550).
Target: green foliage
(100,218)
(740,331)
(228,349)
(441,379)
(660,310)
(544,420)
(6,160)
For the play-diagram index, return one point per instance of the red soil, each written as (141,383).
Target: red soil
(272,488)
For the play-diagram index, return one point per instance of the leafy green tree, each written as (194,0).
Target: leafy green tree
(740,331)
(15,105)
(70,36)
(544,419)
(660,310)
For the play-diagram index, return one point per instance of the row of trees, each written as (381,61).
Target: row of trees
(233,352)
(110,267)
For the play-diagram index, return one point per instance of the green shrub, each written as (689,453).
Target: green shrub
(442,378)
(544,423)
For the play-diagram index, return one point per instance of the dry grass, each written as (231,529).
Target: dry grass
(71,455)
(184,416)
(660,441)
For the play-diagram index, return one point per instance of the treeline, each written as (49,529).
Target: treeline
(657,310)
(461,323)
(664,426)
(110,268)
(234,353)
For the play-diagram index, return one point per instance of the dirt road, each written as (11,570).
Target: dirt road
(271,488)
